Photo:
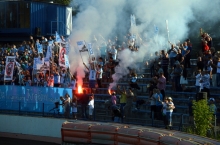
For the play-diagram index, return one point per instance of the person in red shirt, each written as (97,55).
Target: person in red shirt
(205,47)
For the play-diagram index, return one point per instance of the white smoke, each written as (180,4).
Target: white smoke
(111,17)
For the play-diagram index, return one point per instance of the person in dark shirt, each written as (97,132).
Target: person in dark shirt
(84,102)
(200,64)
(165,63)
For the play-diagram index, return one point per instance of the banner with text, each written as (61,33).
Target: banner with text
(9,68)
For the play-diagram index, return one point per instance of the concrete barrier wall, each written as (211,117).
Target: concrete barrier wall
(31,126)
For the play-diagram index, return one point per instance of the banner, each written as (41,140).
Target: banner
(58,39)
(67,64)
(49,51)
(45,65)
(82,46)
(90,49)
(39,48)
(9,68)
(67,48)
(133,21)
(18,66)
(31,98)
(40,63)
(61,56)
(35,63)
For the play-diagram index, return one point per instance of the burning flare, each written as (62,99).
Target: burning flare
(79,89)
(109,91)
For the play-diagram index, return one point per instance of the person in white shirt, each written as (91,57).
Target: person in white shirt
(114,52)
(205,83)
(99,76)
(169,110)
(164,103)
(74,107)
(91,106)
(198,78)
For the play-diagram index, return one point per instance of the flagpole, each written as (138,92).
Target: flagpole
(168,36)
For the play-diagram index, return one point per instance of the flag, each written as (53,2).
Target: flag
(39,48)
(61,56)
(67,64)
(35,63)
(133,21)
(90,49)
(9,67)
(49,51)
(58,39)
(67,48)
(82,46)
(18,66)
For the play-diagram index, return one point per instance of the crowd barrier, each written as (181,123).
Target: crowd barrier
(121,134)
(34,99)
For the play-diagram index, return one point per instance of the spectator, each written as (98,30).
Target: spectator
(205,83)
(159,106)
(67,105)
(74,107)
(84,102)
(72,84)
(177,74)
(172,55)
(169,111)
(161,84)
(213,64)
(200,64)
(99,76)
(218,72)
(183,78)
(56,79)
(113,98)
(187,55)
(164,64)
(212,106)
(198,78)
(123,99)
(91,106)
(153,103)
(128,106)
(164,103)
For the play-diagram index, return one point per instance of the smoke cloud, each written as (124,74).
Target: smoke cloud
(108,18)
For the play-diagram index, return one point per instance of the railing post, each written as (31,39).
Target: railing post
(19,108)
(43,109)
(152,118)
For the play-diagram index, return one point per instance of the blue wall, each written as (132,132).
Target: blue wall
(31,98)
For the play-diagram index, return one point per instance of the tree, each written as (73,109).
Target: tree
(63,2)
(203,117)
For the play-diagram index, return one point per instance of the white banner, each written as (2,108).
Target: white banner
(45,66)
(67,64)
(9,68)
(35,63)
(82,46)
(49,51)
(61,56)
(40,63)
(90,49)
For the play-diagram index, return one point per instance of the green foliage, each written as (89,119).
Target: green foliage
(63,2)
(203,117)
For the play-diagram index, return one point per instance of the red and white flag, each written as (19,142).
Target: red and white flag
(61,56)
(9,68)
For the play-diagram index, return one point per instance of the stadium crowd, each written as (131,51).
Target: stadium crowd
(166,67)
